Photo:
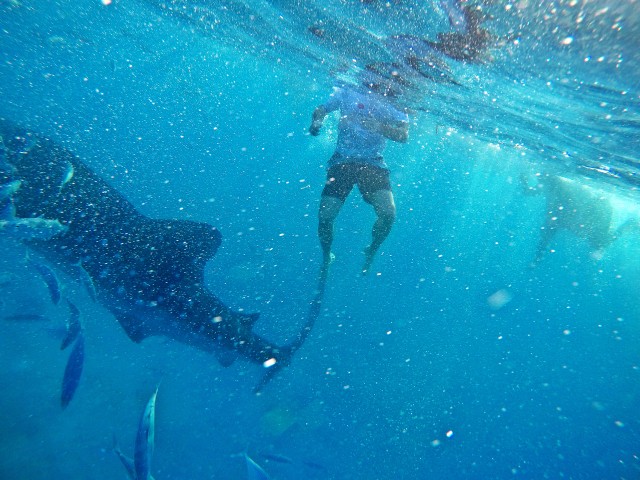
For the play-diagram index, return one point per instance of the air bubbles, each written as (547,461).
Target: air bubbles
(499,299)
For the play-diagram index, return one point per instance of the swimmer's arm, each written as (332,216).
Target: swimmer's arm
(528,190)
(397,130)
(316,120)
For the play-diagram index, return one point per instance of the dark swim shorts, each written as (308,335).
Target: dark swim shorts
(342,177)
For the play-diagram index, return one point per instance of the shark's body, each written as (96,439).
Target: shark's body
(148,273)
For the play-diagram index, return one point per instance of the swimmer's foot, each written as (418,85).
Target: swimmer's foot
(329,259)
(597,255)
(369,253)
(326,263)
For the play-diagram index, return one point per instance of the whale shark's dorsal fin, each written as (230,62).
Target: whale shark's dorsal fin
(225,356)
(195,240)
(250,319)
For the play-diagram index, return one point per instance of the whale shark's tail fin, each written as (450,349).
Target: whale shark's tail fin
(290,349)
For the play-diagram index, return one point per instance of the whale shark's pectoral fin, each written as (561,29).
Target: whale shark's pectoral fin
(83,277)
(249,320)
(225,357)
(133,327)
(196,241)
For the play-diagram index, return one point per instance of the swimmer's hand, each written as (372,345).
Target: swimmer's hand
(398,131)
(316,120)
(314,129)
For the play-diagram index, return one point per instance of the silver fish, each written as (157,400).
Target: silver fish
(66,176)
(85,279)
(74,327)
(145,439)
(126,461)
(276,457)
(254,471)
(31,228)
(73,371)
(50,278)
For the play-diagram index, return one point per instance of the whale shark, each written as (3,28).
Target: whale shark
(149,273)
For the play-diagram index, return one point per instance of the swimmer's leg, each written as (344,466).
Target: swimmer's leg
(385,207)
(548,232)
(329,208)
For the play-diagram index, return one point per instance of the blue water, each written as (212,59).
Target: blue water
(409,373)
